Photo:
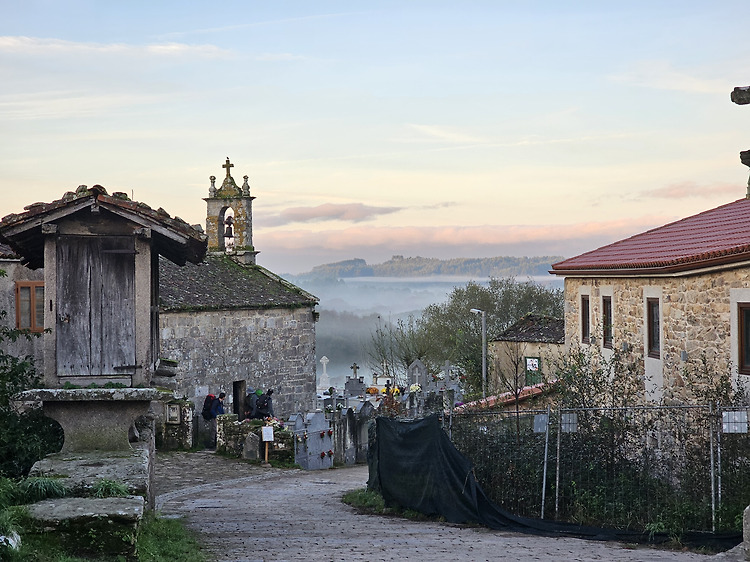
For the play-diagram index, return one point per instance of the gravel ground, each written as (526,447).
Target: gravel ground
(243,512)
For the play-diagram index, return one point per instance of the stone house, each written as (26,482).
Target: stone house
(223,321)
(523,353)
(667,298)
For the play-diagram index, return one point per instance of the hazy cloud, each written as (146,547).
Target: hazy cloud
(661,75)
(66,104)
(444,134)
(352,212)
(274,57)
(39,46)
(688,189)
(248,25)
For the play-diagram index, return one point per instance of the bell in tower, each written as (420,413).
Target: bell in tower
(229,218)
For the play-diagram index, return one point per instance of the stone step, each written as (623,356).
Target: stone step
(91,526)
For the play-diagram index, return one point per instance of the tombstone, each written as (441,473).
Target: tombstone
(251,447)
(313,442)
(354,387)
(417,373)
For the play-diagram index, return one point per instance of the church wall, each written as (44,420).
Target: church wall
(268,348)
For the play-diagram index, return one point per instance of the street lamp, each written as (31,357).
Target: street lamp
(484,349)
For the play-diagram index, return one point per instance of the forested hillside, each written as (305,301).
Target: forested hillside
(400,266)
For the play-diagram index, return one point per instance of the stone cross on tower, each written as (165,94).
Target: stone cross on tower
(219,202)
(227,166)
(741,96)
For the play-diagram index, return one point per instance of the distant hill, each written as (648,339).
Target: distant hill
(399,266)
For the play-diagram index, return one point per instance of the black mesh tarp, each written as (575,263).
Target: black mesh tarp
(414,465)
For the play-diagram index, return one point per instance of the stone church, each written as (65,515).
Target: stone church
(225,323)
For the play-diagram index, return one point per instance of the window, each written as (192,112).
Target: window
(652,327)
(30,305)
(533,370)
(744,332)
(585,321)
(607,321)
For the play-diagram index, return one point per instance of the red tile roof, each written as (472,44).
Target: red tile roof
(719,236)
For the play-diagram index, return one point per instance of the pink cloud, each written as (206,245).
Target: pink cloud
(299,250)
(353,212)
(683,190)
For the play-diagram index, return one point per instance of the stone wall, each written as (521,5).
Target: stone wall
(696,311)
(21,347)
(502,357)
(267,348)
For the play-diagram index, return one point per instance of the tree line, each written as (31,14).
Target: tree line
(400,266)
(450,332)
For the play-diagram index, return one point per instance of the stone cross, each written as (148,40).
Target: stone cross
(354,368)
(324,361)
(227,166)
(447,370)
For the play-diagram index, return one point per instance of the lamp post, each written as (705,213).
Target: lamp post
(484,349)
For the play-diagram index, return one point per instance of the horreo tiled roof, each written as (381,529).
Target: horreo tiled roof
(173,237)
(717,237)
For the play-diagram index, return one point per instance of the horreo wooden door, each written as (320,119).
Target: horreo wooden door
(95,325)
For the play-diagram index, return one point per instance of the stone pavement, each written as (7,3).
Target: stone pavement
(244,513)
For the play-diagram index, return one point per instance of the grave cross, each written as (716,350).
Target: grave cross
(447,370)
(227,166)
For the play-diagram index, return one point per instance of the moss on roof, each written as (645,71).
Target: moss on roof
(535,328)
(220,283)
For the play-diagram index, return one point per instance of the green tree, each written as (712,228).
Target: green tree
(393,347)
(25,436)
(448,331)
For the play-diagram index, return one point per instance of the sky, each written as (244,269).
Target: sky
(370,129)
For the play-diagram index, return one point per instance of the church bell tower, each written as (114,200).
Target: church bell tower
(229,218)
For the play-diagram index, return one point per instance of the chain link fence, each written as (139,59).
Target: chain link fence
(652,469)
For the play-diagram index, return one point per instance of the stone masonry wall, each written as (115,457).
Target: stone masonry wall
(21,347)
(695,318)
(271,348)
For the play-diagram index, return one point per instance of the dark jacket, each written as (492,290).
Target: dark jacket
(217,408)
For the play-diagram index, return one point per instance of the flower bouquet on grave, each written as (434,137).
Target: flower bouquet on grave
(415,388)
(274,422)
(330,452)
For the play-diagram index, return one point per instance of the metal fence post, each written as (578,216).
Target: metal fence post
(544,472)
(712,472)
(557,463)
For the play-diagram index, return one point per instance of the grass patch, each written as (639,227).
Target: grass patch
(371,502)
(166,540)
(159,540)
(105,488)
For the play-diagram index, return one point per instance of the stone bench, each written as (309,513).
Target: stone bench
(95,526)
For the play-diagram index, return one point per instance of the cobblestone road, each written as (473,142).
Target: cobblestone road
(299,517)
